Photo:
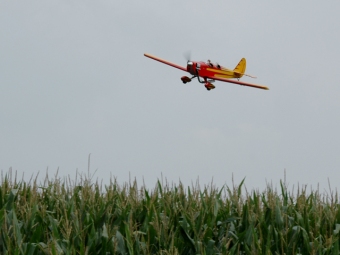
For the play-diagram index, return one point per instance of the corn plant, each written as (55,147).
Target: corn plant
(60,216)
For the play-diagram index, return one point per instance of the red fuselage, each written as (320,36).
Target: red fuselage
(201,69)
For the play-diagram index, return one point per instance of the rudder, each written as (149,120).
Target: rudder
(241,67)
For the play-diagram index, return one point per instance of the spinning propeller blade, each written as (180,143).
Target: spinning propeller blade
(187,55)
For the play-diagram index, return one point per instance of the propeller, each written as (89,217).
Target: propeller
(187,55)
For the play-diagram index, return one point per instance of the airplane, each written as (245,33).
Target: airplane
(210,72)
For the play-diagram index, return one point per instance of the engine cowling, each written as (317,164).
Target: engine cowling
(209,86)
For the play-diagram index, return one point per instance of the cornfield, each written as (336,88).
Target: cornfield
(60,216)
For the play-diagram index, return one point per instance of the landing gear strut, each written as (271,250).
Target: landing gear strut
(207,83)
(186,79)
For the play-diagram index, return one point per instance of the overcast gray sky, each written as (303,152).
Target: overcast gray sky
(74,81)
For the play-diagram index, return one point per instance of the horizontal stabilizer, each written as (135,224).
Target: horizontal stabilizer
(245,75)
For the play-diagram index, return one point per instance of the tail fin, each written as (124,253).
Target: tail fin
(240,68)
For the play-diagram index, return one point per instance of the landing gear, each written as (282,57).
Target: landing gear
(209,86)
(185,79)
(207,83)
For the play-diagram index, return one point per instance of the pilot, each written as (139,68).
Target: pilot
(209,63)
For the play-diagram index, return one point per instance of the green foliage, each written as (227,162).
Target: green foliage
(58,217)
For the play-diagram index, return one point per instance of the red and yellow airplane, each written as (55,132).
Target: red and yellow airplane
(210,72)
